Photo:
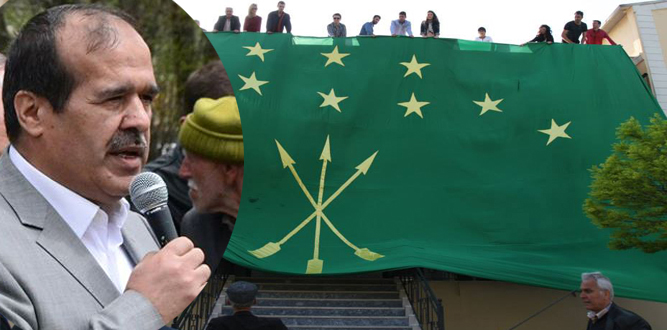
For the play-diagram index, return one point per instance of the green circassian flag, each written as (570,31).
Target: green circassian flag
(365,154)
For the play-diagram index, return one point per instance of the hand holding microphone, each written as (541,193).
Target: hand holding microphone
(172,277)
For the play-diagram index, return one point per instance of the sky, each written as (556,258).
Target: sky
(506,21)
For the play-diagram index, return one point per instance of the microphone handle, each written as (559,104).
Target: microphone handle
(163,226)
(571,293)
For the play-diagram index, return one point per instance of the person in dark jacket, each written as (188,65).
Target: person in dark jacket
(543,35)
(228,22)
(597,294)
(242,295)
(278,20)
(431,26)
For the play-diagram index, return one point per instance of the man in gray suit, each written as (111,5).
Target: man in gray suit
(3,136)
(78,98)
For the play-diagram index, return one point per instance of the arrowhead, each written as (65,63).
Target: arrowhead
(326,152)
(284,156)
(363,167)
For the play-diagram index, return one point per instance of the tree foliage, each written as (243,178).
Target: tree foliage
(629,190)
(177,44)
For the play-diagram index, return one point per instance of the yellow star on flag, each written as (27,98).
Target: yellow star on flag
(414,66)
(487,104)
(413,106)
(556,131)
(257,50)
(331,100)
(253,83)
(335,57)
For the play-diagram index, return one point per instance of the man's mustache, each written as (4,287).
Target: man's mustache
(130,138)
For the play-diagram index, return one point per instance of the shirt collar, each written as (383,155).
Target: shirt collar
(77,211)
(596,316)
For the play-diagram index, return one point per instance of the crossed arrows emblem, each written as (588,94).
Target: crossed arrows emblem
(315,264)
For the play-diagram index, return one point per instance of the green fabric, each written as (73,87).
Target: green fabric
(482,195)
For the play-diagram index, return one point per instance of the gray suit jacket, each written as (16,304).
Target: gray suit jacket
(49,280)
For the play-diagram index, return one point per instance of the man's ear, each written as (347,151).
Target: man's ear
(34,112)
(232,172)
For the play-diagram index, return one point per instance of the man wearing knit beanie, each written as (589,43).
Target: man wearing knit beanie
(210,81)
(213,142)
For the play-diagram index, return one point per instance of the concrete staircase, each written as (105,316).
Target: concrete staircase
(328,303)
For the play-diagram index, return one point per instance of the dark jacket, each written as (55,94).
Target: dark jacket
(543,38)
(618,318)
(245,321)
(167,167)
(436,27)
(235,24)
(208,232)
(272,22)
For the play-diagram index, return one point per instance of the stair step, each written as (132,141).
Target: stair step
(320,311)
(325,287)
(308,327)
(380,321)
(317,280)
(327,295)
(292,302)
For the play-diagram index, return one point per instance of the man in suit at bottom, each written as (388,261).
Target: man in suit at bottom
(77,101)
(597,294)
(242,295)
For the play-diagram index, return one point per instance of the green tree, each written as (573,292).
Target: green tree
(629,190)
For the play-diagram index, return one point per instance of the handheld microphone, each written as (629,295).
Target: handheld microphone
(149,195)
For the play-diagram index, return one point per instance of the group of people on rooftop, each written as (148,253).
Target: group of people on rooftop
(279,22)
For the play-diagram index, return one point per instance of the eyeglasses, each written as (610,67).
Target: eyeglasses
(336,17)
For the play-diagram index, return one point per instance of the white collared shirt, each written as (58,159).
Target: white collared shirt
(596,316)
(98,229)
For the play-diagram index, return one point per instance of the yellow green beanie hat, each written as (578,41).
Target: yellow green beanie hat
(213,130)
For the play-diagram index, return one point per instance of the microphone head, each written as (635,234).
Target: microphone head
(148,191)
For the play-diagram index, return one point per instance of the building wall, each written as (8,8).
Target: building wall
(651,22)
(660,19)
(490,305)
(625,32)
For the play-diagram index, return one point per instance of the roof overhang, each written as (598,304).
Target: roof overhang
(619,13)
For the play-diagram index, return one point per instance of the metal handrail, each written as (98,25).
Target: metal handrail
(427,307)
(194,317)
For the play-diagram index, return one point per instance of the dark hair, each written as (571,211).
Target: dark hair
(281,2)
(403,13)
(435,17)
(337,14)
(547,28)
(378,16)
(210,81)
(597,21)
(481,29)
(579,12)
(34,65)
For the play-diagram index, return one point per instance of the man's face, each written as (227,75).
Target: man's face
(482,33)
(401,18)
(281,7)
(229,12)
(376,20)
(577,18)
(208,184)
(596,25)
(99,142)
(3,134)
(336,20)
(593,298)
